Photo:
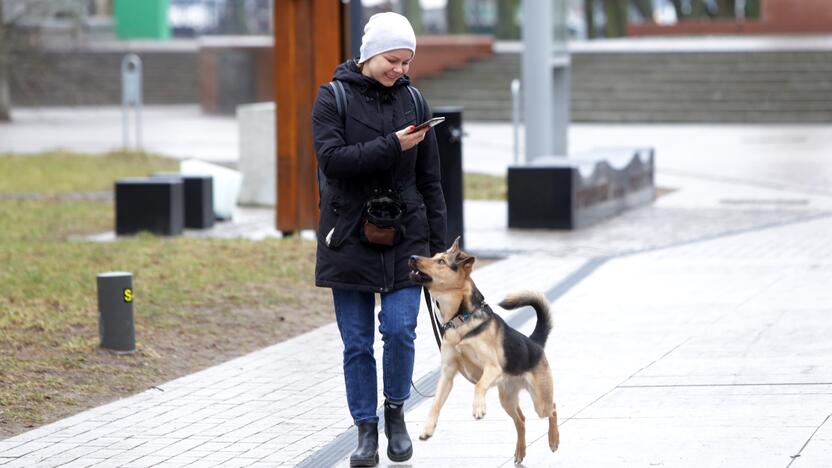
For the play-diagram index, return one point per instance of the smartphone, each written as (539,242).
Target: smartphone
(429,123)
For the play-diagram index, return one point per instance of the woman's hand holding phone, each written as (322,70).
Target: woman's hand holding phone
(417,132)
(410,137)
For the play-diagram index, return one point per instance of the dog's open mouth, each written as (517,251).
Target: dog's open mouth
(420,277)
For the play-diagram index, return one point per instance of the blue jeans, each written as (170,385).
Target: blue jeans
(397,324)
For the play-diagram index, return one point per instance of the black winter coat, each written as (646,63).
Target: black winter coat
(361,153)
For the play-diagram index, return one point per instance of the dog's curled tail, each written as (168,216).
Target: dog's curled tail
(538,301)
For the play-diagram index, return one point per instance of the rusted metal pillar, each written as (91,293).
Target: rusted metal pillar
(308,42)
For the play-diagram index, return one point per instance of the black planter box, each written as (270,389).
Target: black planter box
(199,199)
(570,193)
(150,204)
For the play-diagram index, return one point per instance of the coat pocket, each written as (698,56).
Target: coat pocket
(336,223)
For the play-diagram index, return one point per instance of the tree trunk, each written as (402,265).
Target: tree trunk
(616,13)
(5,95)
(752,9)
(589,17)
(699,9)
(455,12)
(507,27)
(677,6)
(413,11)
(726,8)
(645,8)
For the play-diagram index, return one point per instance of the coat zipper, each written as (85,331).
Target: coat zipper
(384,287)
(381,254)
(383,273)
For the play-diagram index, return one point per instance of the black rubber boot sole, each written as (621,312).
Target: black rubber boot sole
(366,462)
(404,457)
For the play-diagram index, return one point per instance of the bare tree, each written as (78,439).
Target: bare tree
(589,18)
(413,11)
(455,11)
(507,27)
(616,13)
(645,8)
(5,94)
(19,30)
(752,9)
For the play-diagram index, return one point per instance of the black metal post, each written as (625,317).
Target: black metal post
(449,139)
(116,327)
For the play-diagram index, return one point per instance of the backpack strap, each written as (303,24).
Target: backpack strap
(340,104)
(418,102)
(340,97)
(341,100)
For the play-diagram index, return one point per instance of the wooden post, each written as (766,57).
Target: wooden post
(308,41)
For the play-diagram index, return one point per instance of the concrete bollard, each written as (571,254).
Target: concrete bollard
(116,327)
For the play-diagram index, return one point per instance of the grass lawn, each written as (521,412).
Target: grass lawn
(484,186)
(198,302)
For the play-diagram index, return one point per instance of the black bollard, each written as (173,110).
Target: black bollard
(116,328)
(449,139)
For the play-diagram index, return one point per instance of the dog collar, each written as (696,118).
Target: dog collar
(457,321)
(462,317)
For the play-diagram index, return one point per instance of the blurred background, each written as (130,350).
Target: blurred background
(217,53)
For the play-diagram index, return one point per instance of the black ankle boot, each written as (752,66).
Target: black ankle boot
(399,447)
(366,454)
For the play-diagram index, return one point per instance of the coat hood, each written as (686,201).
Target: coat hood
(349,72)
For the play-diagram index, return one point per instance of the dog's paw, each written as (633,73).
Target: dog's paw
(479,408)
(427,431)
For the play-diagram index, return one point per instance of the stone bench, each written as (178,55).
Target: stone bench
(198,203)
(150,204)
(570,193)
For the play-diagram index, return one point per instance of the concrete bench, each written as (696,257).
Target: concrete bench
(570,193)
(198,200)
(150,204)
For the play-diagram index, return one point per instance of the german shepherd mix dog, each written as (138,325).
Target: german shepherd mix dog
(481,346)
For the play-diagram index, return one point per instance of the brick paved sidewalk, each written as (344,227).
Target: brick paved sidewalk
(689,333)
(678,343)
(274,407)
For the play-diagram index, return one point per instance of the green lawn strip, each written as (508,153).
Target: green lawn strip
(35,221)
(198,302)
(484,186)
(190,295)
(61,172)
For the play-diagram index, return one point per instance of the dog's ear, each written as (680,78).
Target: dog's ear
(455,247)
(466,261)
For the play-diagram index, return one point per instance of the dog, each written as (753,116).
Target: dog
(481,346)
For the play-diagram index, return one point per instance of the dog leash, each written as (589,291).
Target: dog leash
(433,320)
(434,325)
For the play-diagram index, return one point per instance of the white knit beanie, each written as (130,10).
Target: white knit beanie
(384,32)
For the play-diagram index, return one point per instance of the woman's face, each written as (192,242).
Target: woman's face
(387,67)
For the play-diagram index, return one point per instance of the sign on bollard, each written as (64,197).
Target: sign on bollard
(116,327)
(131,96)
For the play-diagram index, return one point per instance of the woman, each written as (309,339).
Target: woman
(371,151)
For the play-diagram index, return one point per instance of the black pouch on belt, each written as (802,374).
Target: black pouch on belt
(382,222)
